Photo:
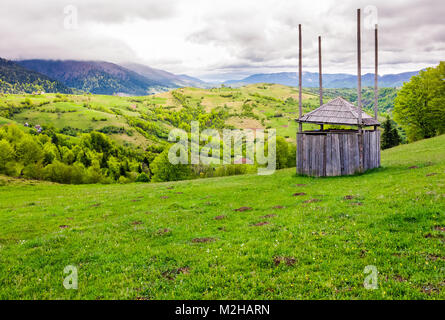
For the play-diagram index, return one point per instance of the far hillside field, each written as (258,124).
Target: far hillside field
(145,120)
(281,237)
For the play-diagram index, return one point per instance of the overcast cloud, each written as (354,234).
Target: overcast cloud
(216,39)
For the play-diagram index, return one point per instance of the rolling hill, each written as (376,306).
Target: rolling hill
(140,121)
(96,77)
(167,79)
(14,78)
(296,238)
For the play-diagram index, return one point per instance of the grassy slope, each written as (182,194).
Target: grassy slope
(262,107)
(114,239)
(97,116)
(78,116)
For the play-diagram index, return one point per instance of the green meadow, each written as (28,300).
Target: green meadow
(281,236)
(258,106)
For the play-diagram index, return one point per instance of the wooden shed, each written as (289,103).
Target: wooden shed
(335,152)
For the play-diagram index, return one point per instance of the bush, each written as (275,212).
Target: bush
(29,151)
(63,173)
(123,180)
(292,156)
(143,177)
(13,169)
(6,153)
(163,170)
(33,171)
(282,153)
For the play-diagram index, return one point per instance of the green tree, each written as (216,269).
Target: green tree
(390,135)
(29,151)
(282,153)
(6,153)
(292,156)
(420,105)
(143,177)
(163,170)
(50,153)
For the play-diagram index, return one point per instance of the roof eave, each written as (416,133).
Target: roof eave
(338,123)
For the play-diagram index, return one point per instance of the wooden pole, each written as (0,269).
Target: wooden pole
(300,102)
(320,79)
(376,72)
(359,93)
(359,72)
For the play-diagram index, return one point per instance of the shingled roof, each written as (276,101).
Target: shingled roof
(338,111)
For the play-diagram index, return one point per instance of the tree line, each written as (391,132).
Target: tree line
(94,158)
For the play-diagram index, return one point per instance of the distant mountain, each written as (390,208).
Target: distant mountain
(194,82)
(97,77)
(17,79)
(330,80)
(168,79)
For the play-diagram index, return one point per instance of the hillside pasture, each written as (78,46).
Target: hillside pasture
(243,237)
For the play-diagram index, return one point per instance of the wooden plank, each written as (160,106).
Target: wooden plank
(367,154)
(341,152)
(354,156)
(371,146)
(313,154)
(378,149)
(364,154)
(335,155)
(323,166)
(328,153)
(355,152)
(299,154)
(322,157)
(372,150)
(302,153)
(318,160)
(371,155)
(316,155)
(374,153)
(307,158)
(365,150)
(346,153)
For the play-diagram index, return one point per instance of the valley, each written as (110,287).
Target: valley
(143,120)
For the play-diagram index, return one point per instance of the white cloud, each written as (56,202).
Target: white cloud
(219,39)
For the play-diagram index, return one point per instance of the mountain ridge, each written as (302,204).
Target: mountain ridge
(98,77)
(16,79)
(330,80)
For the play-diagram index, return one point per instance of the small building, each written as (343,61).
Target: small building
(243,161)
(335,152)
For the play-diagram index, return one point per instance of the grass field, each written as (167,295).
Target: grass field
(185,240)
(95,112)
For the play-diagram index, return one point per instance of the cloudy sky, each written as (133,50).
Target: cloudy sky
(227,39)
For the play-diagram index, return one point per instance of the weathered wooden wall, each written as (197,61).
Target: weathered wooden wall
(337,153)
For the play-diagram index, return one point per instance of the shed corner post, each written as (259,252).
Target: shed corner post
(300,80)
